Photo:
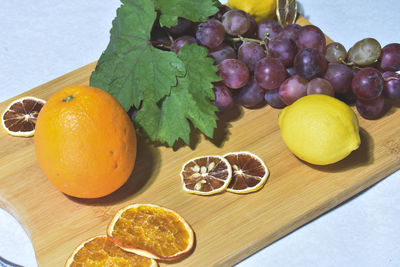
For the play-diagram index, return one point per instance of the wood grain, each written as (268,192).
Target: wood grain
(228,227)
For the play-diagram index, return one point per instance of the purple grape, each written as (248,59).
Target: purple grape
(181,41)
(269,29)
(335,52)
(389,59)
(223,97)
(291,31)
(236,22)
(250,53)
(251,95)
(234,73)
(269,73)
(252,29)
(347,97)
(310,63)
(210,33)
(222,52)
(182,27)
(367,83)
(371,109)
(292,89)
(221,11)
(311,36)
(273,99)
(291,71)
(340,77)
(283,49)
(320,86)
(391,85)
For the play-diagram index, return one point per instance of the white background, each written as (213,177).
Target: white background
(42,40)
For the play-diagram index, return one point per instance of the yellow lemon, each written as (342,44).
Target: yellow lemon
(319,129)
(259,9)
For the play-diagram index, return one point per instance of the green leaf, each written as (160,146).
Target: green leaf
(217,3)
(130,68)
(170,90)
(194,10)
(190,100)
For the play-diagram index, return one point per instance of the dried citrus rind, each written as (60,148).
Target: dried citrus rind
(100,251)
(19,118)
(206,175)
(151,231)
(286,12)
(249,172)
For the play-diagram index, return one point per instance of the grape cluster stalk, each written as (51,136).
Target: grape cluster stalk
(266,63)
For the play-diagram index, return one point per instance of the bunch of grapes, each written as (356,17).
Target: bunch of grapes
(267,63)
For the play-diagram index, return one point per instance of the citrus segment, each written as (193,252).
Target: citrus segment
(249,172)
(151,231)
(286,12)
(100,251)
(19,118)
(206,175)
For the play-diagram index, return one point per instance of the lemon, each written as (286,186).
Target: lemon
(259,9)
(319,129)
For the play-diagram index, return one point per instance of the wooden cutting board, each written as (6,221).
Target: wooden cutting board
(228,227)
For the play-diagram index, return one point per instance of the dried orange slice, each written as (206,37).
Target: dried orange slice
(249,172)
(286,12)
(19,118)
(100,251)
(151,231)
(206,175)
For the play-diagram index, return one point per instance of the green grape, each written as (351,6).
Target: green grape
(365,52)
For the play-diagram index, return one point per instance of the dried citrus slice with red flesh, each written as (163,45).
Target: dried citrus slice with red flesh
(206,175)
(100,251)
(249,172)
(19,118)
(286,12)
(151,231)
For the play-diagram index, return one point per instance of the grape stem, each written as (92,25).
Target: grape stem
(346,63)
(245,39)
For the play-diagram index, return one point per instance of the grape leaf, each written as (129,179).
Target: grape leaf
(194,10)
(130,68)
(169,90)
(189,100)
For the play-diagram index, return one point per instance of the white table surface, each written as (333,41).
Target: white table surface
(42,40)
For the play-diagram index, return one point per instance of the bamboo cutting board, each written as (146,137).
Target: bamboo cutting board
(228,227)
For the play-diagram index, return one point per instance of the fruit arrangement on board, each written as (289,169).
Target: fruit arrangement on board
(179,71)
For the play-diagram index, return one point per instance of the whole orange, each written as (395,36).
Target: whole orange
(85,142)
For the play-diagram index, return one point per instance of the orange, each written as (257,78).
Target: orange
(85,142)
(249,172)
(206,175)
(19,118)
(100,251)
(151,231)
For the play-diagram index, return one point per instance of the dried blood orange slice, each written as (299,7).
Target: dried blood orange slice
(286,12)
(19,118)
(249,172)
(151,231)
(100,251)
(206,175)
